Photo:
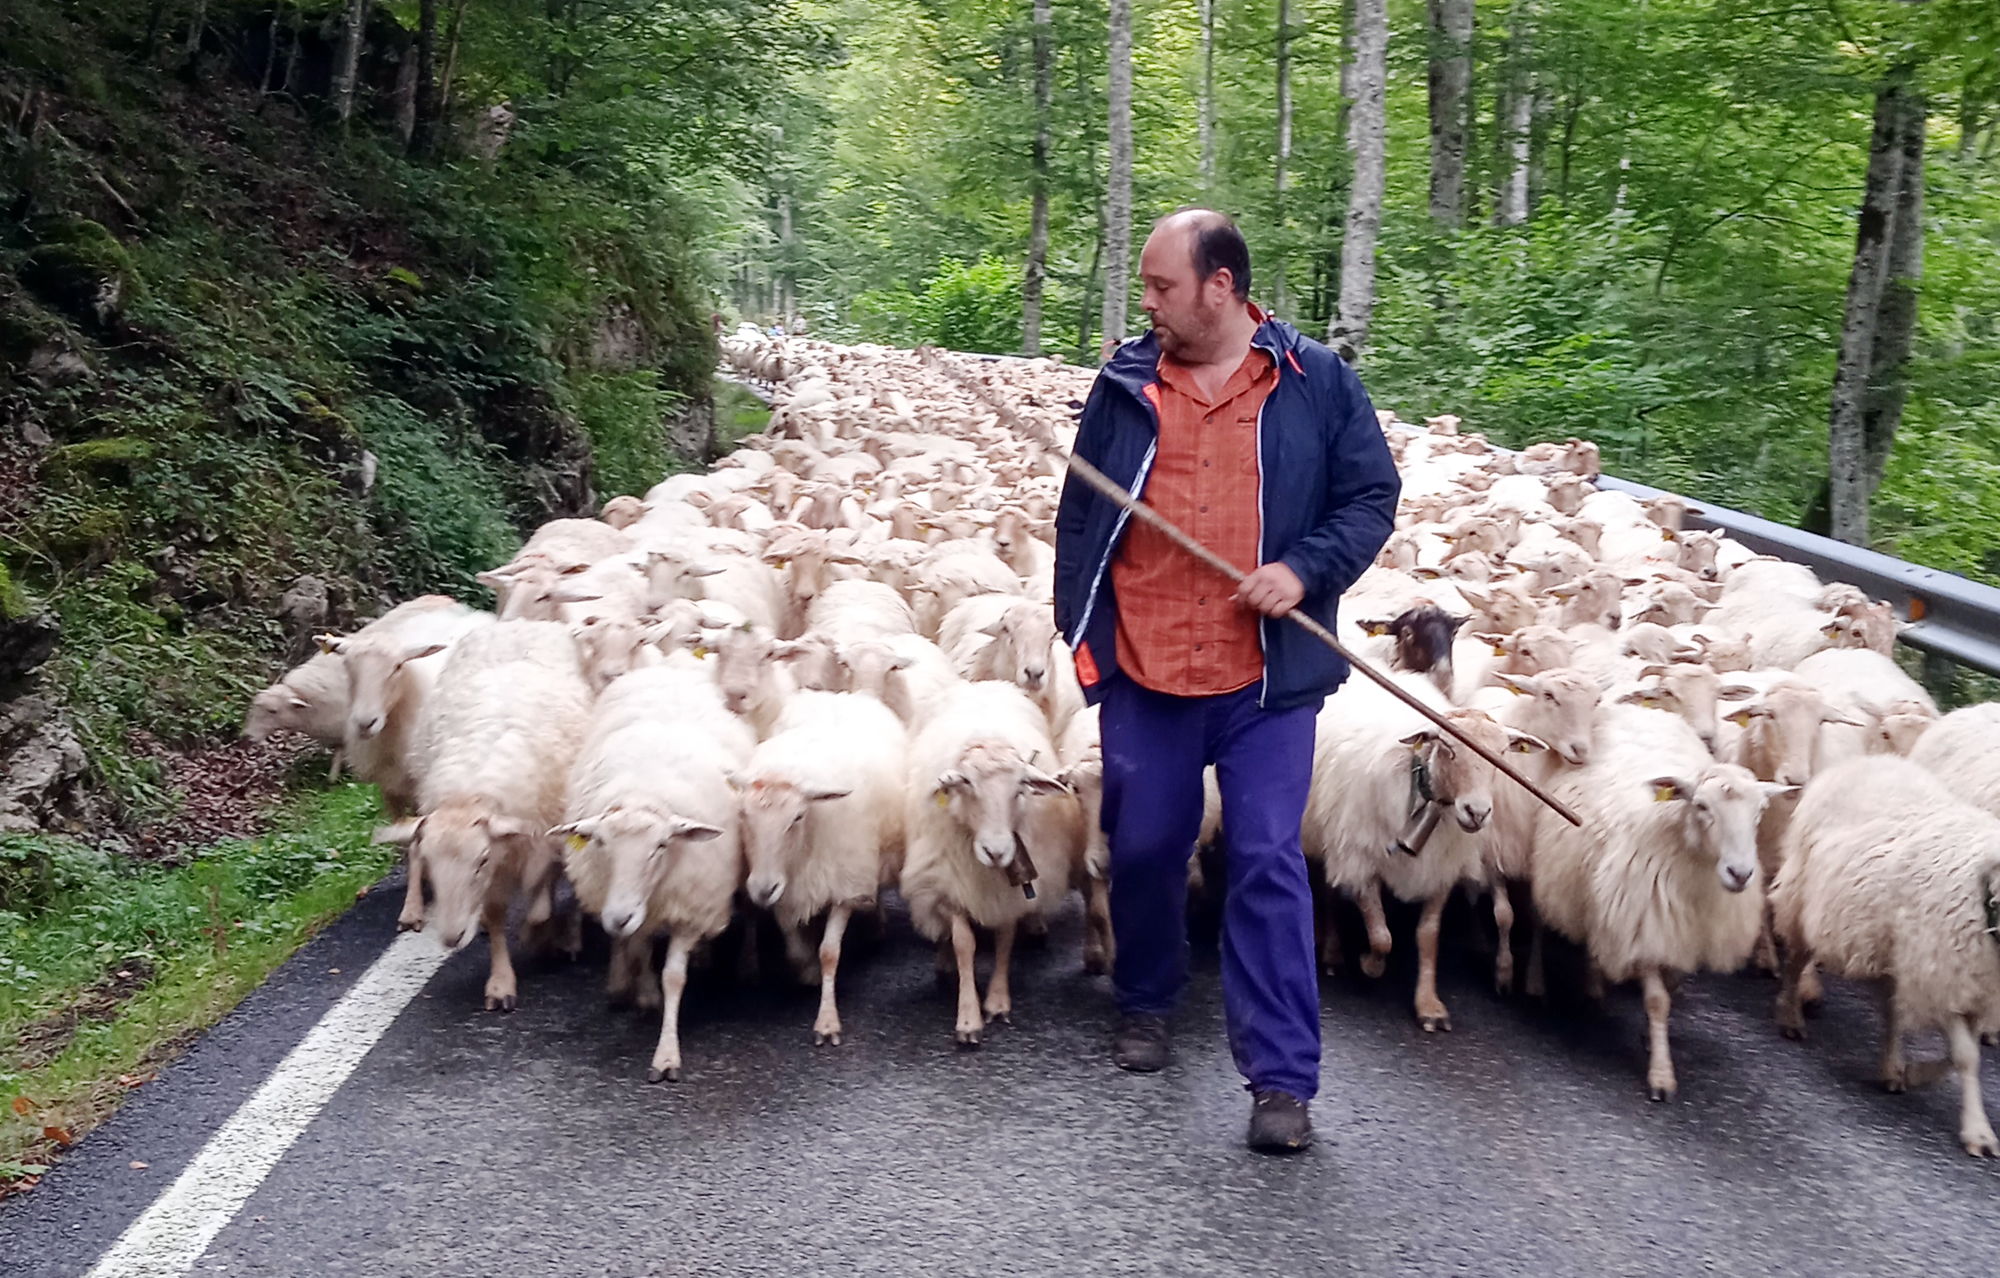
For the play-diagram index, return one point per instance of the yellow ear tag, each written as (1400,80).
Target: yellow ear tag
(1663,794)
(942,799)
(1522,747)
(1651,703)
(575,842)
(1499,652)
(701,654)
(1666,534)
(784,563)
(1516,691)
(1741,719)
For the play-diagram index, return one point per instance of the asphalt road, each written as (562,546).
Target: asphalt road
(468,1143)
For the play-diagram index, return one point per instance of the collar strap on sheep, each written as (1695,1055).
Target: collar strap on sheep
(1021,870)
(1040,432)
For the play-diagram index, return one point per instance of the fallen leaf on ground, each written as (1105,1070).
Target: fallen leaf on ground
(22,1105)
(136,1165)
(60,1135)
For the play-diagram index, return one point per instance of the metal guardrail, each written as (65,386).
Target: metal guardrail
(1947,614)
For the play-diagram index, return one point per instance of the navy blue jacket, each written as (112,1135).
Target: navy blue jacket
(1327,490)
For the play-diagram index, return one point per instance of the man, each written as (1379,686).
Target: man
(1262,444)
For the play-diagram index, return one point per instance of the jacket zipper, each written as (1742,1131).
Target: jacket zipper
(1263,521)
(1125,514)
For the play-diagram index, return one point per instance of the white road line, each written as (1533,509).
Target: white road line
(177,1228)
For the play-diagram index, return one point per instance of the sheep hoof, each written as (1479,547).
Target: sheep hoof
(1503,983)
(968,1038)
(502,1003)
(1433,1024)
(1659,1093)
(1094,965)
(671,1074)
(823,1038)
(1797,1033)
(1895,1084)
(1373,965)
(1980,1143)
(410,925)
(1991,1038)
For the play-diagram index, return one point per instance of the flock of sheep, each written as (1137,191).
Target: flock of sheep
(828,666)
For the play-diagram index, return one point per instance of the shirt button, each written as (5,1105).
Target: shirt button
(1204,510)
(1197,647)
(1209,418)
(1202,600)
(1206,462)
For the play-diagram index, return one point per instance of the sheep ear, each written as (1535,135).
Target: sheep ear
(1668,789)
(692,831)
(1418,740)
(1831,715)
(1519,685)
(1373,627)
(1773,790)
(1566,590)
(1458,623)
(1736,692)
(1525,743)
(332,644)
(300,703)
(995,628)
(403,832)
(953,780)
(419,651)
(822,796)
(1654,672)
(1641,697)
(701,570)
(1038,782)
(1497,642)
(902,663)
(504,827)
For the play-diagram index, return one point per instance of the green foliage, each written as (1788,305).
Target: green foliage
(622,413)
(963,307)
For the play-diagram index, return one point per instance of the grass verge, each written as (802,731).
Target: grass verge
(113,968)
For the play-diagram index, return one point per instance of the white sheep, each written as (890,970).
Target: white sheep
(1963,750)
(651,830)
(1662,877)
(982,814)
(1887,874)
(507,716)
(821,815)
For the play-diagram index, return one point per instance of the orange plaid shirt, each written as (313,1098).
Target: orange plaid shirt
(1180,630)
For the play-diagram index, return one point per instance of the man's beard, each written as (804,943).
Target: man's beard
(1191,338)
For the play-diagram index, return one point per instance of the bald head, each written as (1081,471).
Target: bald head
(1195,271)
(1212,244)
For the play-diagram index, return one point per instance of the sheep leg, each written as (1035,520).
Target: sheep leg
(1535,983)
(1766,956)
(1332,958)
(1791,1013)
(1431,1013)
(1593,981)
(1895,1073)
(1809,988)
(333,768)
(1974,1131)
(800,951)
(622,976)
(412,917)
(970,1022)
(1660,1081)
(1369,898)
(999,994)
(944,963)
(501,992)
(1503,924)
(827,1028)
(1098,943)
(673,979)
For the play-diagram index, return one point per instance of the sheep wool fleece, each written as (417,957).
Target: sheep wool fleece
(1155,747)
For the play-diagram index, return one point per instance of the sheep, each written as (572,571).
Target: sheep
(821,815)
(851,611)
(1663,875)
(652,841)
(1082,753)
(1887,874)
(1013,639)
(310,699)
(1863,684)
(1374,761)
(907,673)
(985,825)
(1963,751)
(508,714)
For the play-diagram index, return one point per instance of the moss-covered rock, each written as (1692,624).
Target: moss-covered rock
(80,268)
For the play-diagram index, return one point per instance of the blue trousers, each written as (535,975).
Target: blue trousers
(1155,747)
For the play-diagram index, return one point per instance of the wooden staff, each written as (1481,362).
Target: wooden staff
(1114,492)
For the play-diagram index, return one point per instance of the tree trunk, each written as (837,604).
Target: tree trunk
(1118,176)
(196,25)
(424,125)
(1896,323)
(1038,215)
(1089,287)
(1205,107)
(1515,142)
(1847,472)
(788,302)
(1367,138)
(347,61)
(1282,170)
(451,58)
(1451,94)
